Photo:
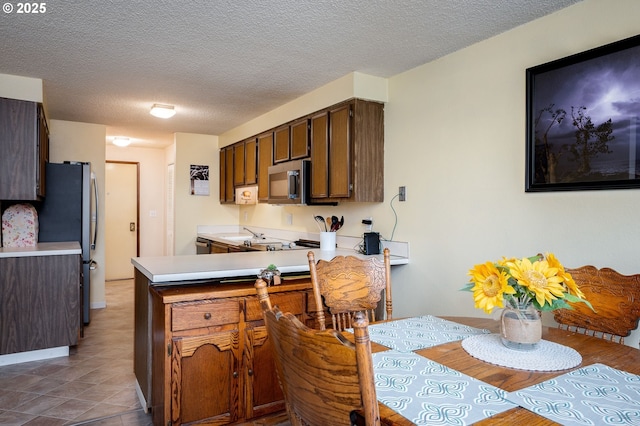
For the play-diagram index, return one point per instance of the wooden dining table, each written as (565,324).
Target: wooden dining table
(453,355)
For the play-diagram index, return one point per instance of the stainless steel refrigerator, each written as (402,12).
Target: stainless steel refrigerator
(67,214)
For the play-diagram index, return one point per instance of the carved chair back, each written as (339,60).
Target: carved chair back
(347,284)
(614,297)
(324,377)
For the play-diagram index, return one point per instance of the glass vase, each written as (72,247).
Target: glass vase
(521,328)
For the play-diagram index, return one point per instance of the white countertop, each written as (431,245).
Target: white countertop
(167,269)
(42,249)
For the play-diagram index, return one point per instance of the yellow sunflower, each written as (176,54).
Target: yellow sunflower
(566,277)
(490,284)
(539,278)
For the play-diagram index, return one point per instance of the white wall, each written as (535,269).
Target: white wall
(71,141)
(194,210)
(152,194)
(455,136)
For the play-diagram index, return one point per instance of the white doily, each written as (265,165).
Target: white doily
(548,356)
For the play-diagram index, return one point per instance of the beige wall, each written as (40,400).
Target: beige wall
(455,136)
(351,85)
(152,196)
(71,141)
(194,210)
(18,87)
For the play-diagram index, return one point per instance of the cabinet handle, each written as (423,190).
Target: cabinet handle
(235,374)
(207,316)
(250,372)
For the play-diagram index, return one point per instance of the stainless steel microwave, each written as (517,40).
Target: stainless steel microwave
(289,182)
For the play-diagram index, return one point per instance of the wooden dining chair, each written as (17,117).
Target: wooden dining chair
(324,377)
(615,299)
(347,284)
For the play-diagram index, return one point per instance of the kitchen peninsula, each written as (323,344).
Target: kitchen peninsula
(200,346)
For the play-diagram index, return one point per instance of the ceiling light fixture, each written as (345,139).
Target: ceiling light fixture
(121,141)
(162,111)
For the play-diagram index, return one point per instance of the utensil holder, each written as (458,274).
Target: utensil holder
(327,241)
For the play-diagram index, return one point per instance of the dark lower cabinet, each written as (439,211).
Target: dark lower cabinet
(39,302)
(211,360)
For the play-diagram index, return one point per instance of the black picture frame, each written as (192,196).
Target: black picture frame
(583,120)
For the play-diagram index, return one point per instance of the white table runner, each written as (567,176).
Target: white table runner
(428,393)
(593,395)
(411,334)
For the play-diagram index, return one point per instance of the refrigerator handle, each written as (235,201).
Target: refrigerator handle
(95,227)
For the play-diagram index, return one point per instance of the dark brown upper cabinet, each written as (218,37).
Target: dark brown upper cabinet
(24,150)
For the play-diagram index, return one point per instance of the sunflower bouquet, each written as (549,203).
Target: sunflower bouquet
(539,280)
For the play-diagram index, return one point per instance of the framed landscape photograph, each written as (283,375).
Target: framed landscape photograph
(583,120)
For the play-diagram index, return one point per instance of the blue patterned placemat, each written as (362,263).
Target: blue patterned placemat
(411,334)
(593,395)
(428,393)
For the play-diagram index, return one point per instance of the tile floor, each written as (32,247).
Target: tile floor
(95,382)
(95,385)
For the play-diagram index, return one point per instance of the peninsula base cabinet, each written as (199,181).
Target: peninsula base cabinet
(211,358)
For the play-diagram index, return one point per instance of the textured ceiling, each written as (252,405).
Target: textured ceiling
(224,62)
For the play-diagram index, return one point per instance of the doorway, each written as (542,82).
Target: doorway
(122,217)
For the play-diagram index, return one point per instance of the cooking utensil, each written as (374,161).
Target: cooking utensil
(334,223)
(320,220)
(341,222)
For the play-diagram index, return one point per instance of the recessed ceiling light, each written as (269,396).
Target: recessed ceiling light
(121,141)
(162,111)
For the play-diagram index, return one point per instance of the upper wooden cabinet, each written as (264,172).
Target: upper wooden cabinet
(238,164)
(300,139)
(227,193)
(347,153)
(344,142)
(265,160)
(251,161)
(281,144)
(291,141)
(24,150)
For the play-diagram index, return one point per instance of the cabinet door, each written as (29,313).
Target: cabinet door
(238,164)
(217,247)
(263,394)
(40,303)
(229,192)
(265,160)
(19,150)
(43,152)
(250,162)
(223,176)
(320,155)
(205,384)
(281,145)
(340,152)
(300,139)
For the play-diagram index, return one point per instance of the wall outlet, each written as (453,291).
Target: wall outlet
(368,223)
(289,219)
(402,193)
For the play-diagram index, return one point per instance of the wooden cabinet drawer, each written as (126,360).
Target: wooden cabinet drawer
(287,302)
(185,316)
